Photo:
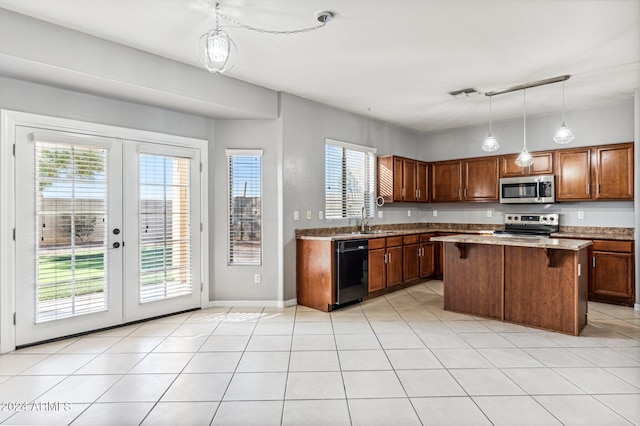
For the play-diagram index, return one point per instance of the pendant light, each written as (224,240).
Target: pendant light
(216,51)
(524,159)
(490,144)
(563,135)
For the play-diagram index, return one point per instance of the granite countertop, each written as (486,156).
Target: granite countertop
(552,243)
(379,231)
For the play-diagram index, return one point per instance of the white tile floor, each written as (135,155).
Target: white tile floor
(398,359)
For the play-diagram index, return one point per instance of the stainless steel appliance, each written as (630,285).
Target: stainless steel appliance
(351,271)
(528,189)
(539,225)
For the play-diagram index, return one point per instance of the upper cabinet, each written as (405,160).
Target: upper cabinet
(595,173)
(402,179)
(542,165)
(473,179)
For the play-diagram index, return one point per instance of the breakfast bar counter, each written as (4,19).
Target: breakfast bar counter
(536,282)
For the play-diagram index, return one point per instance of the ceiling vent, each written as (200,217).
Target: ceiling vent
(464,93)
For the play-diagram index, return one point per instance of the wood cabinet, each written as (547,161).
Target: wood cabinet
(411,257)
(385,263)
(543,164)
(426,254)
(613,172)
(402,179)
(596,173)
(314,274)
(473,179)
(612,272)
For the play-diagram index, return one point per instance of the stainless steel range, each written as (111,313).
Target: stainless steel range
(529,225)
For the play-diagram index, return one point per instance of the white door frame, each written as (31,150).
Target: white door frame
(8,121)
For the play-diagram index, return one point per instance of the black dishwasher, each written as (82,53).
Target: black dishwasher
(352,271)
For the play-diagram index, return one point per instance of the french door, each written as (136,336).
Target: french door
(107,232)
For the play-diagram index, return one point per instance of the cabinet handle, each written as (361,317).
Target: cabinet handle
(385,258)
(588,188)
(459,192)
(417,194)
(402,192)
(465,193)
(389,257)
(594,261)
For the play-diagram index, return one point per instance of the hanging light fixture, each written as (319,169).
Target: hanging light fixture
(490,144)
(563,135)
(524,159)
(216,51)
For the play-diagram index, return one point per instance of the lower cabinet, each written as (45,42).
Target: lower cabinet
(612,272)
(385,263)
(426,253)
(411,257)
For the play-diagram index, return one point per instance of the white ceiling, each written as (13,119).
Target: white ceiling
(394,60)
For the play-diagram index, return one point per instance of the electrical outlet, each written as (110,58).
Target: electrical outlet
(408,213)
(380,215)
(257,278)
(580,214)
(296,215)
(308,214)
(320,215)
(435,213)
(489,213)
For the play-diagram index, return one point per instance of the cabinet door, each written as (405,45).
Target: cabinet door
(394,266)
(385,178)
(409,180)
(612,275)
(446,181)
(427,260)
(613,172)
(481,179)
(398,179)
(411,262)
(542,165)
(377,270)
(422,181)
(573,175)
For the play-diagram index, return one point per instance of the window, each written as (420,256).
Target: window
(245,206)
(165,227)
(349,180)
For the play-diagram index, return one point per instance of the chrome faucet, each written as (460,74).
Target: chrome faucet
(363,223)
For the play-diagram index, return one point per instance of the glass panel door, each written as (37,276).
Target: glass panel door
(67,270)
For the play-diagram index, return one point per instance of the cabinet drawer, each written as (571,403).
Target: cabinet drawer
(425,238)
(411,239)
(611,245)
(394,241)
(377,243)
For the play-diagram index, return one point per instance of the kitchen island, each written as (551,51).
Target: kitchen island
(536,282)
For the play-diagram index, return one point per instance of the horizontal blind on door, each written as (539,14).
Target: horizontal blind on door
(165,227)
(349,180)
(71,230)
(245,207)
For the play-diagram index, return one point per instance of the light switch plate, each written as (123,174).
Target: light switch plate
(435,213)
(308,214)
(489,213)
(296,215)
(380,215)
(580,214)
(408,213)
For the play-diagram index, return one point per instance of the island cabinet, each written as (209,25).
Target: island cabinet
(472,179)
(402,179)
(612,272)
(536,284)
(385,262)
(596,173)
(543,164)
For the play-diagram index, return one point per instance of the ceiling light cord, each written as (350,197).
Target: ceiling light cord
(265,31)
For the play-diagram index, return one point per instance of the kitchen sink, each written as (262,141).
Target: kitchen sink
(379,231)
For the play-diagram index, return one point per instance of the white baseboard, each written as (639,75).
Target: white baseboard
(251,303)
(636,307)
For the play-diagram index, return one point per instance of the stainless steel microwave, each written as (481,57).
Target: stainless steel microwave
(528,189)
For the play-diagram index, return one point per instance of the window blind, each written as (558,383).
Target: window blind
(165,227)
(71,230)
(349,180)
(245,207)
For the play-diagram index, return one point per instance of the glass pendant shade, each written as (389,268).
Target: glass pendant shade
(219,50)
(490,144)
(563,135)
(524,159)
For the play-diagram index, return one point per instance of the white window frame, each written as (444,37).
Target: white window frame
(370,180)
(243,153)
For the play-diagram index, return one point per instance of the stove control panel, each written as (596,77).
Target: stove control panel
(531,218)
